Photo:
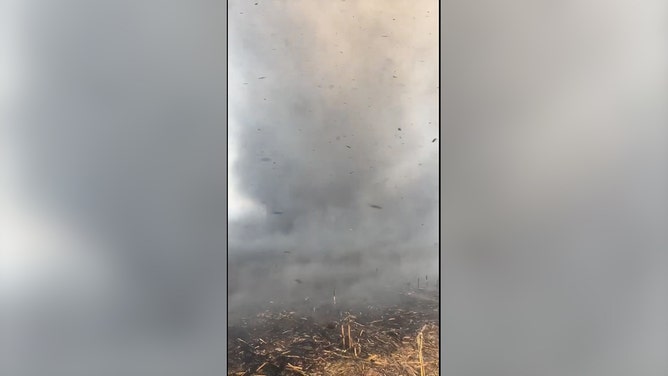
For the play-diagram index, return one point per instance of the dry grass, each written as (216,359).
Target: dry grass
(414,357)
(387,342)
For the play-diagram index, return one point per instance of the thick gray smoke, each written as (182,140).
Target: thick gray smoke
(555,188)
(333,121)
(113,192)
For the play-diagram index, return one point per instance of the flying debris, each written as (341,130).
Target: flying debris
(434,140)
(320,201)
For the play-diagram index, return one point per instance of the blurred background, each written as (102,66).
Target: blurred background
(554,187)
(112,191)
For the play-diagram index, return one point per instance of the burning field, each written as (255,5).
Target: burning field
(333,179)
(340,339)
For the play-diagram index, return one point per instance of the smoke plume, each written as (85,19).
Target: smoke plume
(333,117)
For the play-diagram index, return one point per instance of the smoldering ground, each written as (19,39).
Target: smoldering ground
(554,146)
(333,110)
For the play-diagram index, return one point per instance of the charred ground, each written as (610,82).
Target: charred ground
(361,337)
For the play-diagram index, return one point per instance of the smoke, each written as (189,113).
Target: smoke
(333,116)
(555,188)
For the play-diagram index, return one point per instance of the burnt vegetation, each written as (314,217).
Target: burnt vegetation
(356,338)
